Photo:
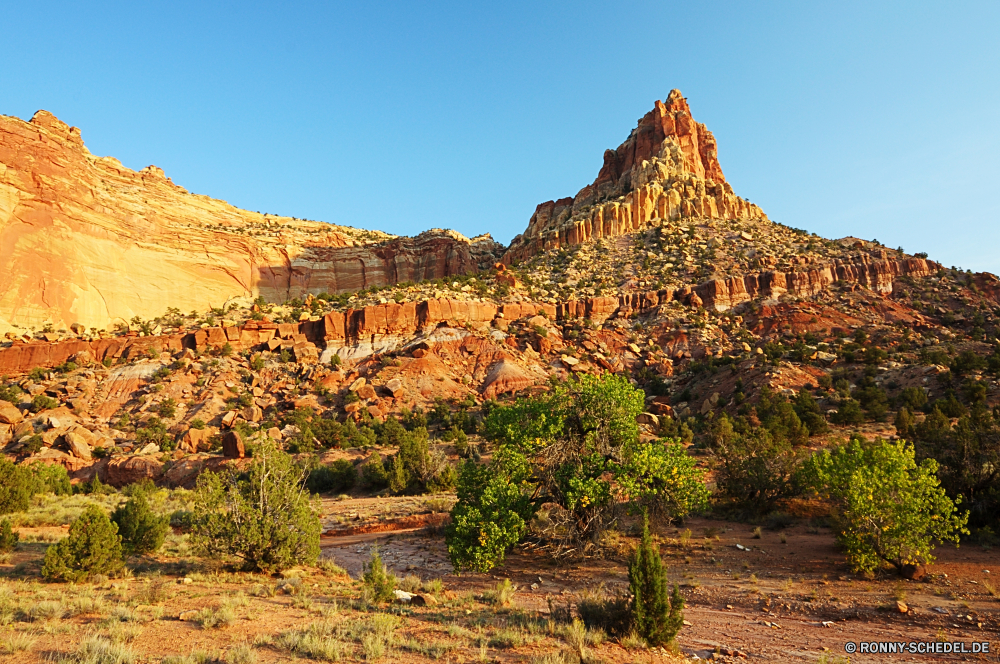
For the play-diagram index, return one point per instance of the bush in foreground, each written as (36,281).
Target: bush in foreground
(576,448)
(93,546)
(262,517)
(657,614)
(888,508)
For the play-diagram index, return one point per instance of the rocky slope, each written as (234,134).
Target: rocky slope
(86,241)
(667,169)
(700,299)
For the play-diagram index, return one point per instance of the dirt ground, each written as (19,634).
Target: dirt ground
(771,601)
(785,596)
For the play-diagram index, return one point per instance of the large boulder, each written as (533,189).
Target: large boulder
(130,469)
(78,444)
(505,376)
(9,414)
(232,445)
(197,440)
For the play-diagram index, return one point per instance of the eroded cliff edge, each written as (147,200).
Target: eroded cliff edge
(85,240)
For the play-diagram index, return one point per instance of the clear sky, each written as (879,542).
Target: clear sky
(879,120)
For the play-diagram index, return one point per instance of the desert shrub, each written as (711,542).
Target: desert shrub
(905,423)
(913,398)
(967,362)
(93,546)
(950,406)
(612,614)
(848,413)
(968,454)
(889,509)
(780,418)
(141,530)
(577,447)
(755,470)
(167,408)
(414,469)
(11,393)
(373,473)
(262,517)
(492,511)
(50,479)
(8,538)
(872,398)
(93,486)
(33,445)
(337,477)
(390,433)
(42,402)
(379,583)
(810,413)
(15,487)
(154,431)
(657,614)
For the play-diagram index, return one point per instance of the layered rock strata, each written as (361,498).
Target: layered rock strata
(667,169)
(381,328)
(85,240)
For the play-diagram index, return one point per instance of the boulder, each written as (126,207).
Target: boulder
(423,599)
(913,572)
(395,386)
(253,414)
(505,376)
(232,445)
(366,392)
(9,414)
(78,445)
(197,440)
(357,384)
(130,469)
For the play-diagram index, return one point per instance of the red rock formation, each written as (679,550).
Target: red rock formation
(365,325)
(85,240)
(667,169)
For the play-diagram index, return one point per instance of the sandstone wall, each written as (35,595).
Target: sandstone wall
(667,169)
(85,240)
(357,326)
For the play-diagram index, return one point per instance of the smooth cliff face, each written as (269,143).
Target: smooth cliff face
(667,169)
(85,240)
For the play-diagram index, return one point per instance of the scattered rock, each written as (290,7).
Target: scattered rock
(232,445)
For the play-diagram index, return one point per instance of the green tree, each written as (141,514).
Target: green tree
(336,477)
(8,538)
(15,487)
(142,531)
(93,546)
(262,517)
(657,614)
(576,447)
(848,413)
(756,470)
(889,509)
(379,583)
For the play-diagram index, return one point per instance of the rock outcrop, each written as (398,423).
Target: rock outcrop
(87,241)
(667,169)
(385,327)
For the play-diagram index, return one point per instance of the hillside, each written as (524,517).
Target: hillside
(154,334)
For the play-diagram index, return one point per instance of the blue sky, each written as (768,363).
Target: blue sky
(880,120)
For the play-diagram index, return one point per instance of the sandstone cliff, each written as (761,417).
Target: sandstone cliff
(667,169)
(85,240)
